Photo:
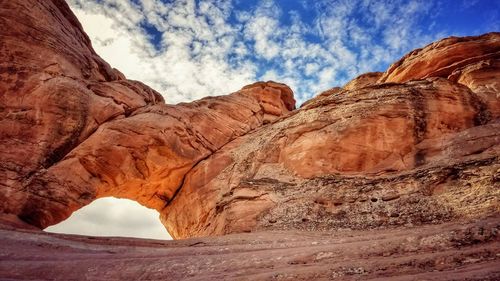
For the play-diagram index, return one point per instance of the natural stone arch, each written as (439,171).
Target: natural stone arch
(145,156)
(75,129)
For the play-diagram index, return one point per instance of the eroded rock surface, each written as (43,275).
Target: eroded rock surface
(77,130)
(415,147)
(364,156)
(380,156)
(441,58)
(449,251)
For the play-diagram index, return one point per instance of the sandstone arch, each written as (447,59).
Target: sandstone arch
(75,129)
(400,149)
(145,156)
(395,175)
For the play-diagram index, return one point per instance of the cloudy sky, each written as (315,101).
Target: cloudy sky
(113,217)
(188,49)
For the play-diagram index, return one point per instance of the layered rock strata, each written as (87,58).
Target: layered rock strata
(417,144)
(393,176)
(74,129)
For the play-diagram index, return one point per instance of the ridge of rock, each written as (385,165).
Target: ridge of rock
(415,149)
(116,137)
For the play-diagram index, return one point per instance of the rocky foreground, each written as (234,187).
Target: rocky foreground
(394,175)
(450,251)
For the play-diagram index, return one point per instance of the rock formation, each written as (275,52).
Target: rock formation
(74,129)
(416,147)
(380,156)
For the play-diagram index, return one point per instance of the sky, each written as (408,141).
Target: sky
(187,49)
(113,217)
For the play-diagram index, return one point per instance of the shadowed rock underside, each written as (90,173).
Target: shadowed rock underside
(395,174)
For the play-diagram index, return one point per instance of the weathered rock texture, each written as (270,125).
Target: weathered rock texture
(73,129)
(369,155)
(450,251)
(416,147)
(380,156)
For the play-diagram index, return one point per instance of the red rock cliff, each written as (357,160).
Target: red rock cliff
(393,176)
(73,129)
(418,144)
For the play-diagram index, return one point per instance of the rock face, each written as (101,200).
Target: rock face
(372,154)
(74,129)
(363,80)
(380,156)
(442,58)
(416,147)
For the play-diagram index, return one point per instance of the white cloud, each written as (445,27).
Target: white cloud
(311,68)
(203,51)
(113,217)
(196,40)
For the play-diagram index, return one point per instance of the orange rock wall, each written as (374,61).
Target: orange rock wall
(417,144)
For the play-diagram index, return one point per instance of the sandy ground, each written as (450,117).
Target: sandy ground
(453,251)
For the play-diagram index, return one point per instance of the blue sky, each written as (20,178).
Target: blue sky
(188,49)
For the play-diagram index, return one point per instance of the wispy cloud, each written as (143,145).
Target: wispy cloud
(188,49)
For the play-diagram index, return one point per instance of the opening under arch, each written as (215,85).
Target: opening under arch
(111,216)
